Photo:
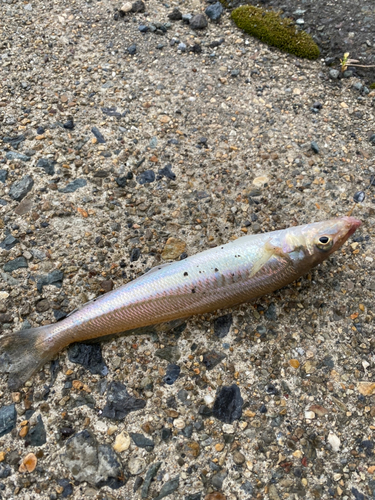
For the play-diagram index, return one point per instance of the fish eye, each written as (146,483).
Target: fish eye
(324,243)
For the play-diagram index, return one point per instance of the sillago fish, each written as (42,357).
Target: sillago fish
(221,277)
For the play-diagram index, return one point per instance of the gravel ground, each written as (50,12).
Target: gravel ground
(122,149)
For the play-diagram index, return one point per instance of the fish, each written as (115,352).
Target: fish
(237,272)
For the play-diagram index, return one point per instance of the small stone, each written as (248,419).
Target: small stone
(46,165)
(212,359)
(13,265)
(222,325)
(238,458)
(191,449)
(20,189)
(8,419)
(174,247)
(365,388)
(273,493)
(359,197)
(218,479)
(138,6)
(141,441)
(300,21)
(146,177)
(175,15)
(73,186)
(334,441)
(122,442)
(198,22)
(37,434)
(24,207)
(136,466)
(215,495)
(167,172)
(42,305)
(319,410)
(182,46)
(135,254)
(309,415)
(29,463)
(172,373)
(168,488)
(150,474)
(334,74)
(69,124)
(126,7)
(13,155)
(179,423)
(294,363)
(314,147)
(372,139)
(132,49)
(214,11)
(3,176)
(171,353)
(143,28)
(99,136)
(9,242)
(228,404)
(260,181)
(120,403)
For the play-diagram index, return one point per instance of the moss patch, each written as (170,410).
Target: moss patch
(372,86)
(270,28)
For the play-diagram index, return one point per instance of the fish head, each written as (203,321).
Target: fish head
(311,244)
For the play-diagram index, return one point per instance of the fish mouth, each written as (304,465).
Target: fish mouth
(353,223)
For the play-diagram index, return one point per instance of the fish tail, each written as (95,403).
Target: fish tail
(23,353)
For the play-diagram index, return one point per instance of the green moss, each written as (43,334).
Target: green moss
(372,86)
(270,28)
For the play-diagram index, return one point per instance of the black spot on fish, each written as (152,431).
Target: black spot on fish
(193,290)
(186,274)
(216,270)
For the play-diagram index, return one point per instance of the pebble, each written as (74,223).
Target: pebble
(172,374)
(238,458)
(19,189)
(8,419)
(314,147)
(260,181)
(9,242)
(334,441)
(136,466)
(126,7)
(54,278)
(69,124)
(98,135)
(222,325)
(132,49)
(334,74)
(175,15)
(146,177)
(214,11)
(366,388)
(217,480)
(168,488)
(37,433)
(122,442)
(73,186)
(3,176)
(212,359)
(89,356)
(167,172)
(46,165)
(90,461)
(198,22)
(13,155)
(179,423)
(13,265)
(120,403)
(170,353)
(138,6)
(173,248)
(215,495)
(182,46)
(28,463)
(228,404)
(142,441)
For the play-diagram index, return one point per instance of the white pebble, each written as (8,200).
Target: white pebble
(209,399)
(309,415)
(334,441)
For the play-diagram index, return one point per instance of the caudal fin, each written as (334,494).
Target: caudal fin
(23,353)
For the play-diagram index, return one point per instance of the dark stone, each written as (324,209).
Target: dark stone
(357,494)
(121,181)
(359,197)
(212,358)
(8,419)
(175,15)
(222,325)
(228,404)
(82,399)
(218,479)
(120,403)
(198,22)
(137,483)
(98,135)
(143,28)
(14,264)
(205,411)
(141,441)
(69,124)
(54,278)
(248,488)
(168,488)
(73,186)
(9,242)
(12,155)
(138,6)
(166,433)
(315,147)
(188,431)
(3,176)
(14,141)
(132,49)
(194,496)
(89,356)
(372,139)
(37,434)
(167,172)
(150,474)
(214,11)
(5,318)
(5,471)
(59,314)
(146,177)
(135,254)
(216,43)
(47,166)
(271,313)
(42,306)
(18,190)
(172,373)
(67,487)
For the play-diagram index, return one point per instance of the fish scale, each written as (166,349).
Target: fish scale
(221,277)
